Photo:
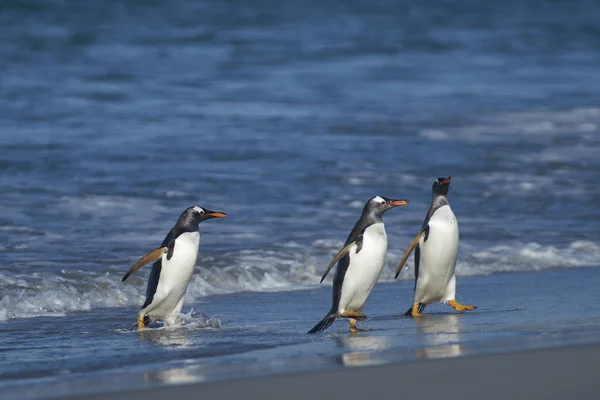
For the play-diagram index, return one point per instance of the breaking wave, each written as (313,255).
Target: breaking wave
(287,267)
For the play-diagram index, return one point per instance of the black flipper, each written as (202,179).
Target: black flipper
(417,263)
(426,231)
(152,283)
(324,323)
(170,248)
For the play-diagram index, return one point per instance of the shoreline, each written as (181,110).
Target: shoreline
(554,373)
(519,319)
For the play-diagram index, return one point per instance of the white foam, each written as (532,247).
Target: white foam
(357,204)
(176,194)
(328,244)
(52,295)
(515,258)
(433,134)
(287,267)
(535,125)
(106,206)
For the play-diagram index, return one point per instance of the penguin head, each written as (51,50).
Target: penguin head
(192,216)
(440,186)
(378,205)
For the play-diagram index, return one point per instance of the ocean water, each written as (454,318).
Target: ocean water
(116,116)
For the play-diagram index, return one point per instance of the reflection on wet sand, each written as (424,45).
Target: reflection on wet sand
(362,350)
(169,338)
(441,336)
(172,338)
(175,376)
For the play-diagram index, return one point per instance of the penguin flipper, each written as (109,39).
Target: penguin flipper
(411,247)
(356,242)
(148,258)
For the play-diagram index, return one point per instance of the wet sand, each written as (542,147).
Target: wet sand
(560,373)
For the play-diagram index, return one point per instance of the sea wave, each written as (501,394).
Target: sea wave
(581,123)
(288,267)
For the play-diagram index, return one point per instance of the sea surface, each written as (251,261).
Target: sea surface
(116,116)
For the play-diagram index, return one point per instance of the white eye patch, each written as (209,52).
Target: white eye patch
(379,200)
(199,210)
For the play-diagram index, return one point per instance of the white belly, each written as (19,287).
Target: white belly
(364,269)
(175,276)
(436,281)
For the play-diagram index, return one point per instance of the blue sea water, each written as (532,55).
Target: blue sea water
(288,116)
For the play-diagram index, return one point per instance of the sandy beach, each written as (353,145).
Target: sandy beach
(562,373)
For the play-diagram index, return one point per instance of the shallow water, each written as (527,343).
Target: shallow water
(115,117)
(254,334)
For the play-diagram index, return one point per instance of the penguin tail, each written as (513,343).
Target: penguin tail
(421,309)
(324,323)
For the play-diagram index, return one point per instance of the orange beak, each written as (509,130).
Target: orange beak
(446,181)
(216,215)
(398,203)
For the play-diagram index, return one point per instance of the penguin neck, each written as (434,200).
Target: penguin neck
(439,201)
(369,217)
(366,219)
(185,227)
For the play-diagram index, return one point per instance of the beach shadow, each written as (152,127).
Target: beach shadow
(384,318)
(446,313)
(491,311)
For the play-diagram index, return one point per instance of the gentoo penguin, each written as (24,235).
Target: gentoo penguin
(174,263)
(435,254)
(359,264)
